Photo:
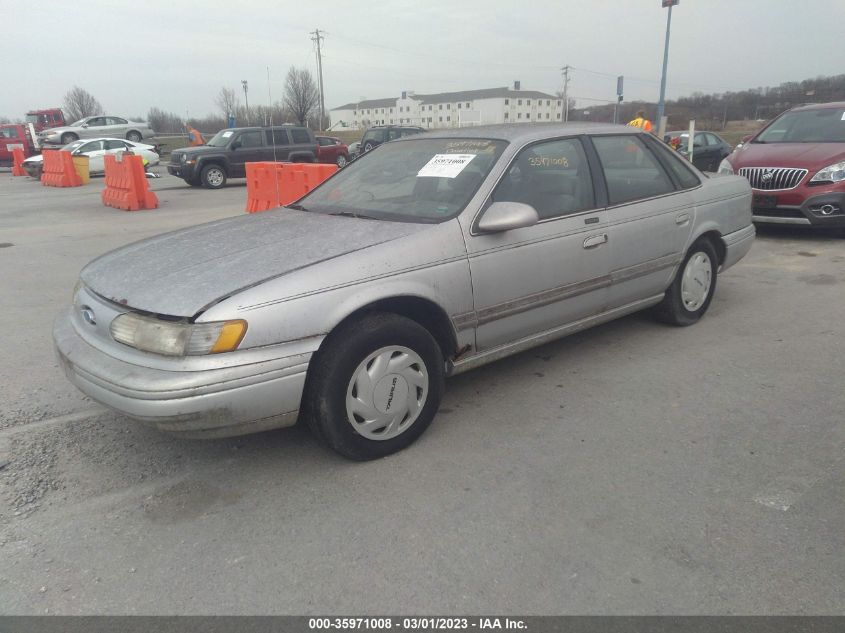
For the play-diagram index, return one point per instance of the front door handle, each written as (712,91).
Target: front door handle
(682,219)
(595,240)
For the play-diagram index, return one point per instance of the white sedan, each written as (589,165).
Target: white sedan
(95,149)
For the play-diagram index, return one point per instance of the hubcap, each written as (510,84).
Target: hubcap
(387,392)
(341,161)
(215,177)
(696,281)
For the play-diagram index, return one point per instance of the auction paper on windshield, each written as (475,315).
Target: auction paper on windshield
(445,165)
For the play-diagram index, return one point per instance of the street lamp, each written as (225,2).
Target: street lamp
(661,105)
(246,99)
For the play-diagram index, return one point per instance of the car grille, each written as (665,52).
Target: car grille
(773,178)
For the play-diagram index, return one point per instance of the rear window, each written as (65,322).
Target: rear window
(300,135)
(277,137)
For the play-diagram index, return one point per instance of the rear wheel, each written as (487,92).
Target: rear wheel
(341,161)
(368,146)
(213,177)
(375,386)
(133,136)
(69,137)
(689,296)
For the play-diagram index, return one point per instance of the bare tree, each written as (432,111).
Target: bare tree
(301,94)
(80,103)
(227,101)
(162,121)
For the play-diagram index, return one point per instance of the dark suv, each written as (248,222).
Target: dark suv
(379,134)
(225,155)
(796,167)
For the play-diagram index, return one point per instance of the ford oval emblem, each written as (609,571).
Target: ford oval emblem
(88,316)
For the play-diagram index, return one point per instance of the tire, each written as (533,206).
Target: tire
(342,161)
(193,183)
(69,137)
(133,136)
(341,397)
(689,296)
(213,176)
(368,146)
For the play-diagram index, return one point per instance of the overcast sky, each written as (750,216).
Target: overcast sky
(177,54)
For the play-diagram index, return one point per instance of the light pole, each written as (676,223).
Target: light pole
(246,98)
(661,105)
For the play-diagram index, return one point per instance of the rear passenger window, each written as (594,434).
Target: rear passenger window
(250,139)
(277,137)
(552,177)
(630,170)
(300,135)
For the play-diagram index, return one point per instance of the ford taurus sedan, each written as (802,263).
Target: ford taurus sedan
(425,258)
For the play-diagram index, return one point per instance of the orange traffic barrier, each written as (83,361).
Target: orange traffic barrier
(270,185)
(17,162)
(59,170)
(126,184)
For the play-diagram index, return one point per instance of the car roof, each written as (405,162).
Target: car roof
(530,132)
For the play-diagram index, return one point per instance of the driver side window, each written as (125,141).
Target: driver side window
(553,177)
(93,146)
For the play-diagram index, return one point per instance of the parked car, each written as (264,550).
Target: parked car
(354,149)
(379,134)
(225,155)
(332,150)
(97,127)
(708,148)
(796,167)
(422,259)
(96,150)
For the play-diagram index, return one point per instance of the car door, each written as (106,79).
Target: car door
(534,279)
(649,218)
(116,126)
(95,153)
(94,127)
(247,147)
(302,141)
(277,144)
(114,146)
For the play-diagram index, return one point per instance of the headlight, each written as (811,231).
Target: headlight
(725,167)
(172,338)
(831,173)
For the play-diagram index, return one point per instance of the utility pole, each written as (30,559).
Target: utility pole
(565,71)
(246,99)
(317,38)
(661,105)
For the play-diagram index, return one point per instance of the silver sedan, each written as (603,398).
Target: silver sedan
(95,127)
(427,257)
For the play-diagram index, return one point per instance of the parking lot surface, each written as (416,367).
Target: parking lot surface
(631,469)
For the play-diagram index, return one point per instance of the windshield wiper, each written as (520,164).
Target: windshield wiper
(349,214)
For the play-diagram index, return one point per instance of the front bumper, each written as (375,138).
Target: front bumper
(823,209)
(213,402)
(182,170)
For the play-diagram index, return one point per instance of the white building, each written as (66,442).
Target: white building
(451,109)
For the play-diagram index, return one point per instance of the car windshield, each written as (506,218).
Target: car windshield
(221,139)
(807,126)
(72,146)
(421,180)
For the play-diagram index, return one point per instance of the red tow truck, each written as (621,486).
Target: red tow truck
(23,135)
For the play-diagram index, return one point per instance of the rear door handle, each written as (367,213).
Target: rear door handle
(681,219)
(595,240)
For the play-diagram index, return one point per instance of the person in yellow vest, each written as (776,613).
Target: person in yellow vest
(641,122)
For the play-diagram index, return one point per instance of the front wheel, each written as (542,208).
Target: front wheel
(69,137)
(341,161)
(375,386)
(133,136)
(689,296)
(213,177)
(368,146)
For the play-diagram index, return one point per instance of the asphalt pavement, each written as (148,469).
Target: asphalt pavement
(631,469)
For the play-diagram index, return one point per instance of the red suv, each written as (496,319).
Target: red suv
(332,150)
(796,167)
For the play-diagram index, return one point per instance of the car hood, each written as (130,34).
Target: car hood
(38,158)
(185,272)
(811,156)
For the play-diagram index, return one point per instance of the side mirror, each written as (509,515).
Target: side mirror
(504,216)
(235,145)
